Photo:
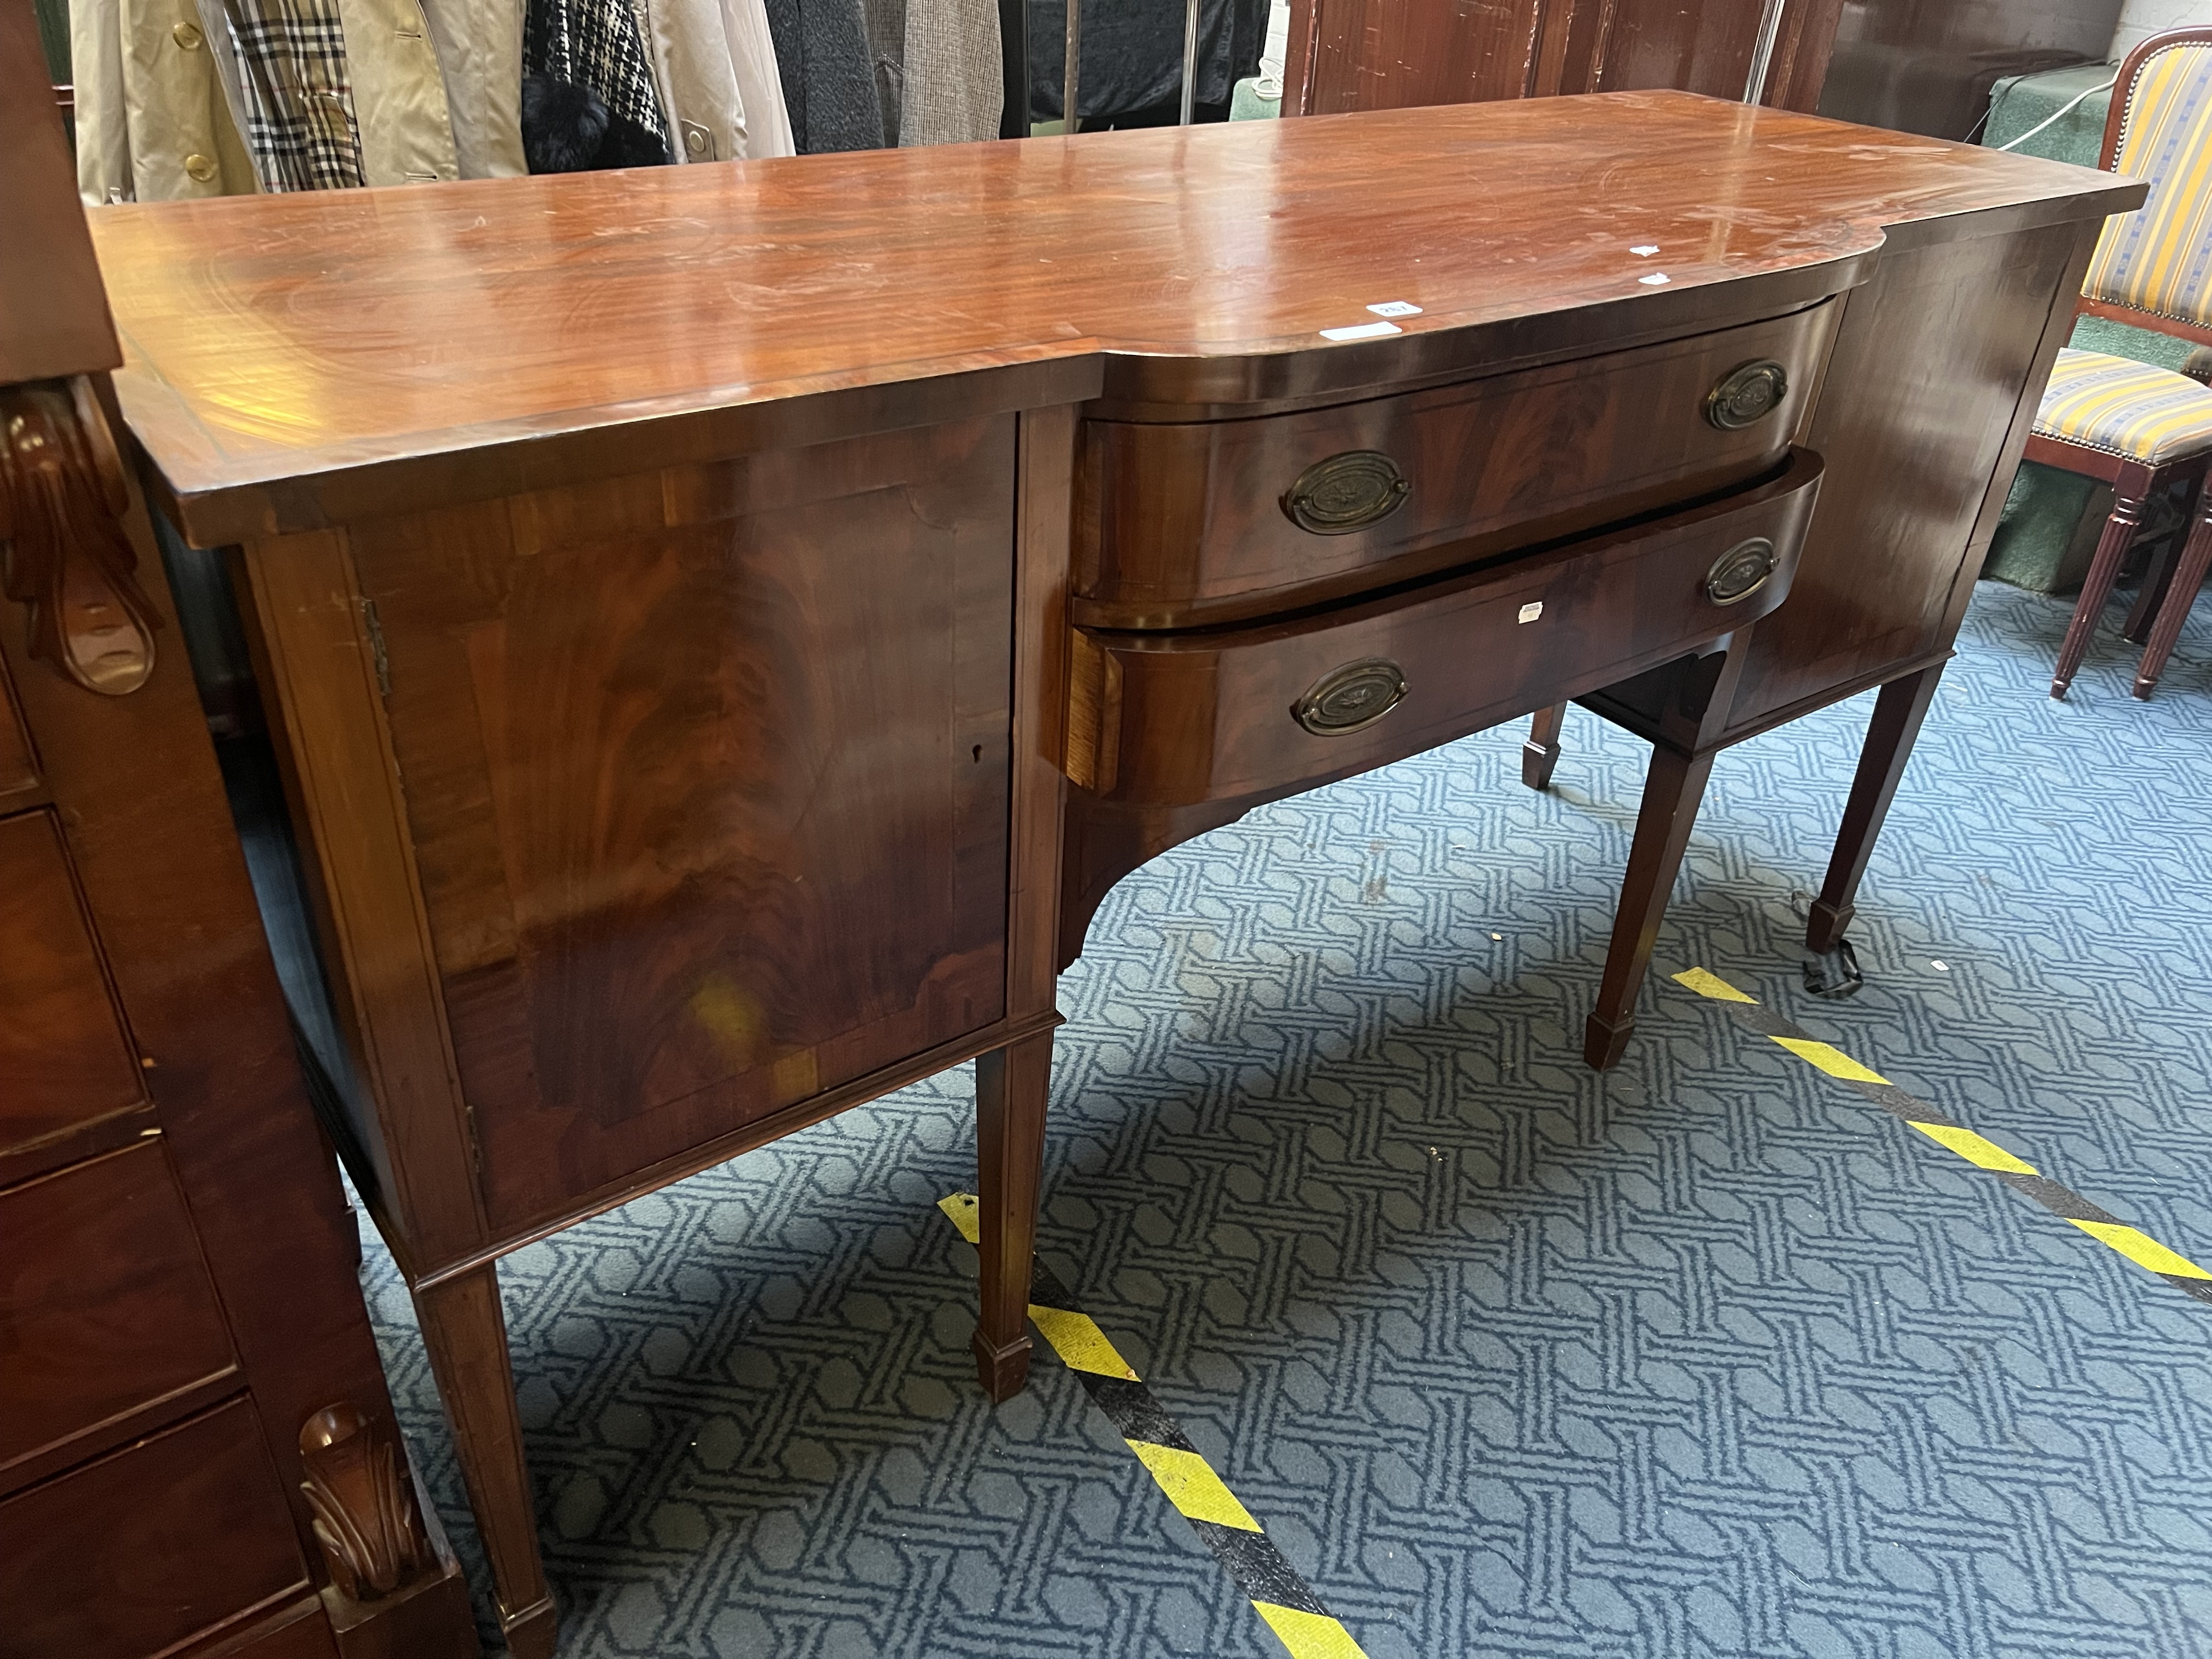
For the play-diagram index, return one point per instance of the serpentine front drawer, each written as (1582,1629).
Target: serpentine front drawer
(1217,715)
(1184,525)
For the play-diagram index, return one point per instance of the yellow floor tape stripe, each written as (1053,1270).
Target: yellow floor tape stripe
(1835,1062)
(1081,1346)
(1192,1487)
(1987,1154)
(1223,1523)
(2143,1250)
(1309,1635)
(2139,1248)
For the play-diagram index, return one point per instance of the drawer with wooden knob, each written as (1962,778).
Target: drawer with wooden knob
(1219,715)
(1179,526)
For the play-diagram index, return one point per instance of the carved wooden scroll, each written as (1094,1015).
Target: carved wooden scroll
(67,560)
(364,1503)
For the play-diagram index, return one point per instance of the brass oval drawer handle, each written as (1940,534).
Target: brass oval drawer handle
(1741,571)
(1350,698)
(1346,492)
(1746,394)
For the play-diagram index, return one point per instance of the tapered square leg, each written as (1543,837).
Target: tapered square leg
(1012,1087)
(1671,790)
(1898,712)
(465,1332)
(1540,753)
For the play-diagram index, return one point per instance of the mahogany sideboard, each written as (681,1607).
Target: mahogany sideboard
(723,628)
(197,1455)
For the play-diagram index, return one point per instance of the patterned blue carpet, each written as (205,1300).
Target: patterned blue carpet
(1705,1358)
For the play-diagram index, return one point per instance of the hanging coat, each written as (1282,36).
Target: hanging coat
(479,50)
(716,68)
(153,123)
(829,83)
(955,81)
(602,46)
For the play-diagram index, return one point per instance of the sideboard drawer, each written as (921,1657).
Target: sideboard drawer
(1174,719)
(1180,525)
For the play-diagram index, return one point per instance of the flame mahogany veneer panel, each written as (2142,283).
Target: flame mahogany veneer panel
(707,780)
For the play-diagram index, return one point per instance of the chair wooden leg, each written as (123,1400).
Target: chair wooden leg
(2158,576)
(1898,713)
(466,1335)
(1012,1086)
(2180,594)
(2097,587)
(1672,790)
(1540,753)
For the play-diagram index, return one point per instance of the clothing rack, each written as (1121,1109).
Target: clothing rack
(1070,111)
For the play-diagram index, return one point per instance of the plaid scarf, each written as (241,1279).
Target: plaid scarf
(299,126)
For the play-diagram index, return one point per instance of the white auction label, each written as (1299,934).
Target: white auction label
(1361,332)
(1530,611)
(1396,308)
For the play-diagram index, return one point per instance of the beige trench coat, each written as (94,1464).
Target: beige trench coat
(158,82)
(714,66)
(153,123)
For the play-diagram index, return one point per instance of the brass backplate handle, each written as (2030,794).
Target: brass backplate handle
(1741,571)
(67,560)
(1746,394)
(1350,698)
(1346,492)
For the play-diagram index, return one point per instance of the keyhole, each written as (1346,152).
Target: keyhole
(979,754)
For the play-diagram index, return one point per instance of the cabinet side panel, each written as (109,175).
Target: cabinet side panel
(1937,358)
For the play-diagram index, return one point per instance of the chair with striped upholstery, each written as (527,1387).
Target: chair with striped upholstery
(2137,428)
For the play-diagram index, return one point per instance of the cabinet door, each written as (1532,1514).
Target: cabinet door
(1397,54)
(671,746)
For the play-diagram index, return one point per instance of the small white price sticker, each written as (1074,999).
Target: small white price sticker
(1531,611)
(1361,332)
(1657,279)
(1396,308)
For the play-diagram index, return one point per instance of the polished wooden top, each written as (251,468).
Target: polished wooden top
(294,360)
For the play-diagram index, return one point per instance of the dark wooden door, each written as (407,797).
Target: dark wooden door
(670,755)
(1391,54)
